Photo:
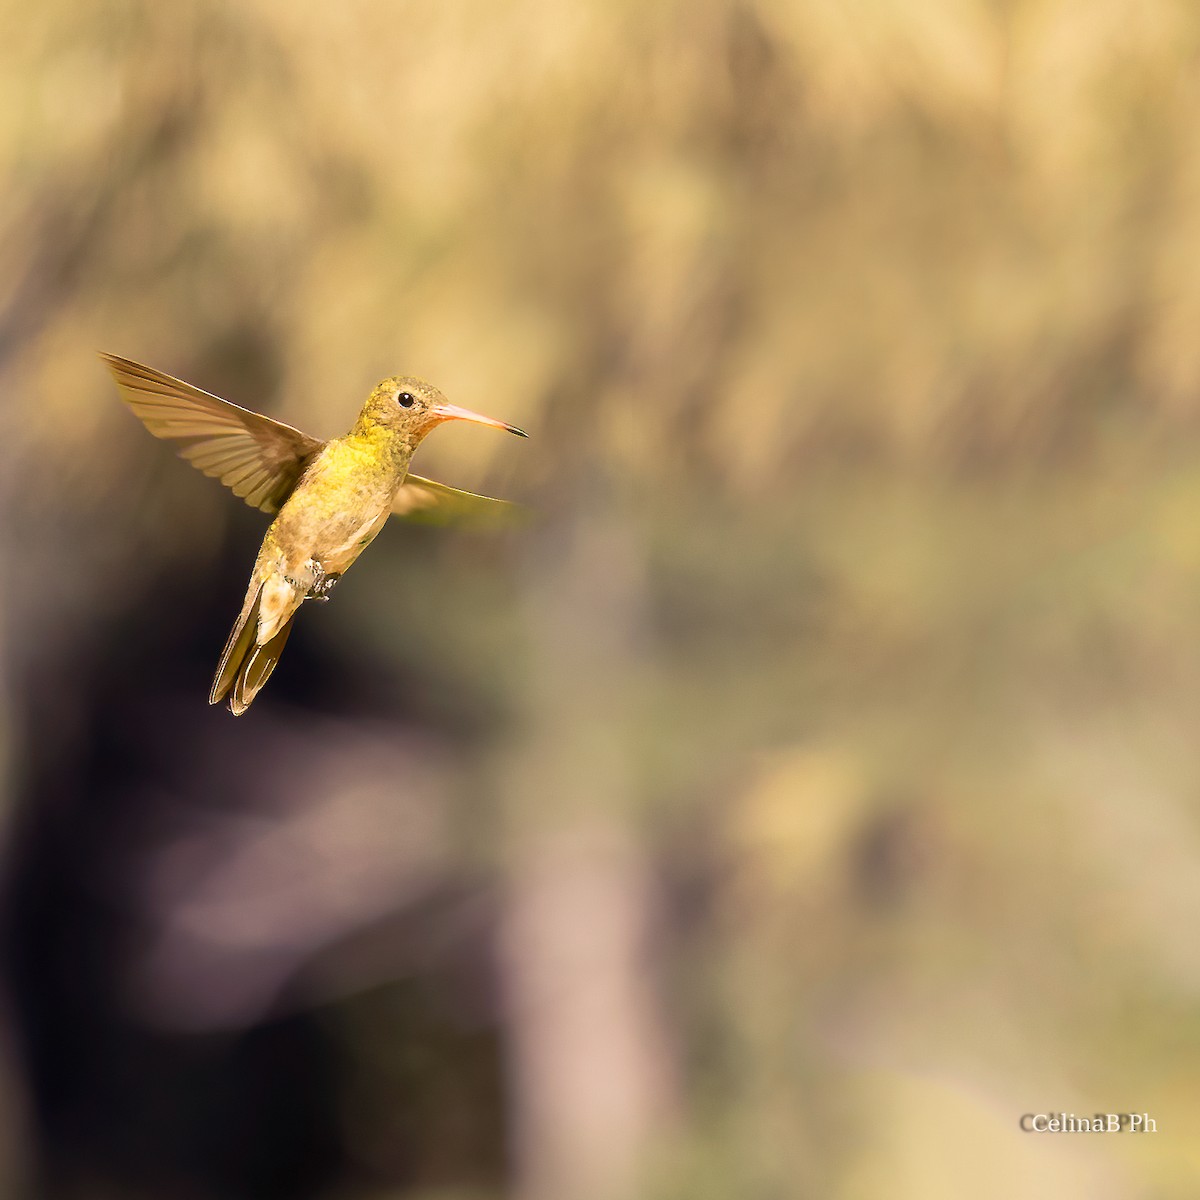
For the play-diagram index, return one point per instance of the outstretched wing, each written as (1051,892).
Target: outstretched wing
(259,459)
(428,501)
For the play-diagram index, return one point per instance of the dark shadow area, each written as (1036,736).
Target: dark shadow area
(256,1112)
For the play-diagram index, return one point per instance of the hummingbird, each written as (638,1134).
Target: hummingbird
(329,499)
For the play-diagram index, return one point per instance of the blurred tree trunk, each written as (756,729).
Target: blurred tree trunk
(591,1063)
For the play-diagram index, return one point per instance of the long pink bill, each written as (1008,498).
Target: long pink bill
(453,412)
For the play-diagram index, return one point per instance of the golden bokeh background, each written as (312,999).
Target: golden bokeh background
(809,789)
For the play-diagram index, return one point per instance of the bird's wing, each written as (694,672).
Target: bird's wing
(426,500)
(259,459)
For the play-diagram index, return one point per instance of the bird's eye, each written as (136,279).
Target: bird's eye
(404,399)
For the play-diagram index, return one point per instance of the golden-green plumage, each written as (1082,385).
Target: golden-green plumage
(331,498)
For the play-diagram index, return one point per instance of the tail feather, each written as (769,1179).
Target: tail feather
(246,663)
(256,670)
(238,646)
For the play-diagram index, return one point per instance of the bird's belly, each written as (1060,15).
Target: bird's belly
(344,541)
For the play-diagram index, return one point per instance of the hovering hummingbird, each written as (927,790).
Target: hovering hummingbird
(330,499)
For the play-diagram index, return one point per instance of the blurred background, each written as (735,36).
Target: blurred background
(806,792)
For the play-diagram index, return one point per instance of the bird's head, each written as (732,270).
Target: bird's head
(407,409)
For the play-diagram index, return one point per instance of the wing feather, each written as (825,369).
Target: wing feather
(260,460)
(430,502)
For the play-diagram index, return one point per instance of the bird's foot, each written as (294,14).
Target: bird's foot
(321,587)
(313,583)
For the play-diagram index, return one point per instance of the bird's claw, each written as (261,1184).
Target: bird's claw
(321,587)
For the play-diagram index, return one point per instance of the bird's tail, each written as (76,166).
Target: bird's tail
(245,665)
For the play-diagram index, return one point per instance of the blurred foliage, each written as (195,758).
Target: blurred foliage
(811,791)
